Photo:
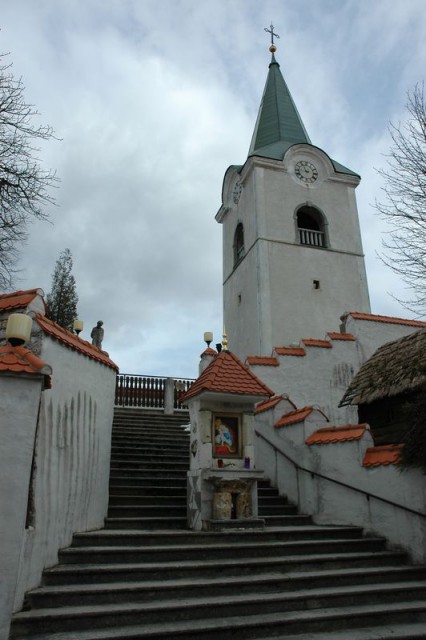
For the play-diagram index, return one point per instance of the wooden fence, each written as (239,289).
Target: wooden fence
(152,392)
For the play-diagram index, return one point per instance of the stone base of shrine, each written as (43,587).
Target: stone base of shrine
(223,498)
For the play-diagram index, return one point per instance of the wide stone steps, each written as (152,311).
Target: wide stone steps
(104,593)
(145,576)
(190,538)
(260,549)
(247,566)
(211,618)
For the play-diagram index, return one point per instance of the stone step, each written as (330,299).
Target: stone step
(283,521)
(124,572)
(272,509)
(139,443)
(144,511)
(117,500)
(180,438)
(151,462)
(104,593)
(157,522)
(407,631)
(206,551)
(118,487)
(151,453)
(300,609)
(147,538)
(275,509)
(171,475)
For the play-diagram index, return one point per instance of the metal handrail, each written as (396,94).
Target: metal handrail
(342,484)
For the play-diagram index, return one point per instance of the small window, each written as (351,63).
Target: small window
(310,225)
(239,250)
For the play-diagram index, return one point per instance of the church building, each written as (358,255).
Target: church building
(292,251)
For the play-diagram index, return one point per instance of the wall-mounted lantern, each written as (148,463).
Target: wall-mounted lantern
(18,329)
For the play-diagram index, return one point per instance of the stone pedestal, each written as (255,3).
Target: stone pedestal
(233,498)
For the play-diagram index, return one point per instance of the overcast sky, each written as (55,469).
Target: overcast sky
(152,101)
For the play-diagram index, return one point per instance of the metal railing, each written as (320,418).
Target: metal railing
(312,238)
(368,495)
(153,392)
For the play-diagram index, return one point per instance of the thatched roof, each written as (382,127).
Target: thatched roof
(396,367)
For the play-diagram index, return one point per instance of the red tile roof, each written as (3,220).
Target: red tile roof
(388,319)
(345,433)
(313,342)
(383,455)
(327,435)
(73,341)
(209,352)
(270,404)
(227,374)
(18,299)
(290,351)
(293,417)
(265,361)
(22,360)
(341,336)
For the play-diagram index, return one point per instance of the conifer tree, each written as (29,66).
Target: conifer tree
(62,300)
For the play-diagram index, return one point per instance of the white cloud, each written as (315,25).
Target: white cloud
(153,101)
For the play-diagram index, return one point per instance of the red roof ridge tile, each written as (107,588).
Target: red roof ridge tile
(265,361)
(21,298)
(383,455)
(71,340)
(334,335)
(265,405)
(294,417)
(22,360)
(341,433)
(290,351)
(209,352)
(387,319)
(315,342)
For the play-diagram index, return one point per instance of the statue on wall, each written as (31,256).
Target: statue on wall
(97,335)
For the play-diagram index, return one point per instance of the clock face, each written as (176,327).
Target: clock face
(306,171)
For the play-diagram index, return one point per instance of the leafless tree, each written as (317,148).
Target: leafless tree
(404,206)
(24,185)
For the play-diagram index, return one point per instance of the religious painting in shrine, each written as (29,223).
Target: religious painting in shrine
(226,437)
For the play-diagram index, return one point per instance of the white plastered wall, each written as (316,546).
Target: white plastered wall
(70,482)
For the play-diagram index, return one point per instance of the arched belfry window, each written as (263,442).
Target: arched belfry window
(238,243)
(310,226)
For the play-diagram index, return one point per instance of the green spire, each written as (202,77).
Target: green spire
(278,124)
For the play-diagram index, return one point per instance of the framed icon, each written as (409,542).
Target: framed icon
(226,436)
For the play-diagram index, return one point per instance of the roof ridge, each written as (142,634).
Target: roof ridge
(70,339)
(381,318)
(20,359)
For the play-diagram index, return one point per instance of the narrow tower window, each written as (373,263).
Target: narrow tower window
(310,225)
(238,243)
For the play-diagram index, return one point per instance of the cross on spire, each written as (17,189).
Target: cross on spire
(273,34)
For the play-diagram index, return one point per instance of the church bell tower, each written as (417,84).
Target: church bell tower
(292,253)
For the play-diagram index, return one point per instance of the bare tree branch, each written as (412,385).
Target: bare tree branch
(24,185)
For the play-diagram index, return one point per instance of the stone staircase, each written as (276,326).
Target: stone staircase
(144,576)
